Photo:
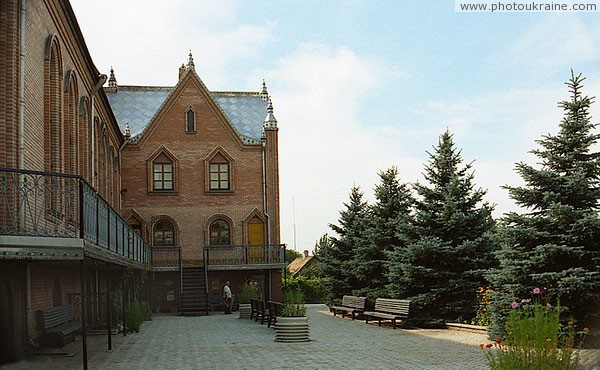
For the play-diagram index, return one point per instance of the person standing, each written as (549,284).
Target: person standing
(227,297)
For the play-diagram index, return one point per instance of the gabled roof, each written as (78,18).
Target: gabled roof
(299,263)
(138,105)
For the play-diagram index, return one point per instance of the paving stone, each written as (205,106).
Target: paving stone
(226,342)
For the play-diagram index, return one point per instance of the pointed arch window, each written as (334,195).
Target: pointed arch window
(164,233)
(220,233)
(162,170)
(190,117)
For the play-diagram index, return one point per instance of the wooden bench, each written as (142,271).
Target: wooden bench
(58,323)
(350,305)
(274,311)
(388,309)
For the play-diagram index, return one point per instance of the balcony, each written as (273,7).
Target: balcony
(48,216)
(244,257)
(223,257)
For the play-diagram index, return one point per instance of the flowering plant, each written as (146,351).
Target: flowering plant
(482,316)
(535,338)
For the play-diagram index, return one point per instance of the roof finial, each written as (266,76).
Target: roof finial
(264,94)
(190,65)
(270,122)
(112,81)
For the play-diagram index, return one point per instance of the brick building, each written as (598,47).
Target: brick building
(88,211)
(201,184)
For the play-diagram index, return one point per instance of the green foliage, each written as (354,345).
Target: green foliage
(338,258)
(313,288)
(293,303)
(449,243)
(137,313)
(249,291)
(557,242)
(389,216)
(534,338)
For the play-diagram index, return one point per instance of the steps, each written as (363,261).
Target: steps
(194,299)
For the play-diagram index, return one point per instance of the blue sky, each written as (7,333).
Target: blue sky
(359,86)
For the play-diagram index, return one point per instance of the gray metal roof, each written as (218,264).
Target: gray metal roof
(137,105)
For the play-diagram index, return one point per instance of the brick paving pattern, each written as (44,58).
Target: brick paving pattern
(226,342)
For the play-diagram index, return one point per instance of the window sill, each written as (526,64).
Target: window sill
(163,192)
(219,192)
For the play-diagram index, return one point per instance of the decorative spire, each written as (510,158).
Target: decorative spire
(112,81)
(190,65)
(181,70)
(127,131)
(270,122)
(264,94)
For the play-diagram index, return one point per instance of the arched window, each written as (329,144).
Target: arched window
(71,130)
(219,233)
(190,121)
(53,106)
(85,137)
(164,233)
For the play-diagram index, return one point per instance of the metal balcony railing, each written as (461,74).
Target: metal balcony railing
(35,203)
(221,255)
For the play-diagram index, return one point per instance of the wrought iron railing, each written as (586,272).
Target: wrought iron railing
(35,203)
(221,255)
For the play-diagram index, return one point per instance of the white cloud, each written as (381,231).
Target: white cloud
(145,40)
(324,148)
(556,40)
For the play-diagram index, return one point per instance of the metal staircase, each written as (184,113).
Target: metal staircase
(194,297)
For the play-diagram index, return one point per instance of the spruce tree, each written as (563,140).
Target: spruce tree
(391,210)
(337,257)
(555,244)
(450,247)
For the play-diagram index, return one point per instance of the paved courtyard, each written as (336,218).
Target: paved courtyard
(226,342)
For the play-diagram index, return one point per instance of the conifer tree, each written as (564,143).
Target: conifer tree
(391,212)
(337,257)
(450,247)
(555,244)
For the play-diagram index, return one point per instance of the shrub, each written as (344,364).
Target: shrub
(293,303)
(313,289)
(137,313)
(249,291)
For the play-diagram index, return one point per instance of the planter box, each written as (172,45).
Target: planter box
(245,310)
(292,329)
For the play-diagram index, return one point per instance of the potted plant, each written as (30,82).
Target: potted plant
(292,324)
(249,291)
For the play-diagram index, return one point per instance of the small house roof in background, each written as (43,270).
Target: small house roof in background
(299,263)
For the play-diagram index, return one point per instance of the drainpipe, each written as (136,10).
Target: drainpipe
(101,80)
(22,89)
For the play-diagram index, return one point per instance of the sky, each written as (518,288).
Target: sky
(360,86)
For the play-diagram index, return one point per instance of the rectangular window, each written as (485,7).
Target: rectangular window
(163,176)
(219,176)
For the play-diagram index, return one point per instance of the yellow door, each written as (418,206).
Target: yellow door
(256,241)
